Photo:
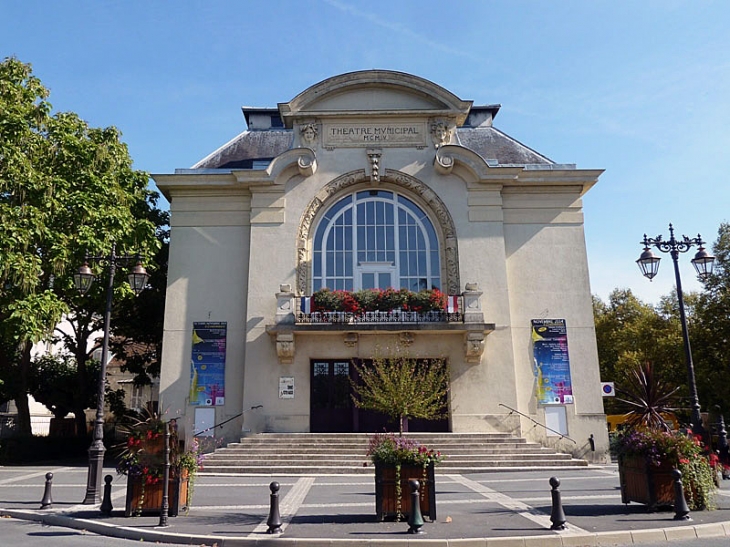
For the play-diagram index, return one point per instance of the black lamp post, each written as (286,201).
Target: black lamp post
(83,280)
(703,262)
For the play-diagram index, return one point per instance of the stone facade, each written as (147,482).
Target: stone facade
(509,226)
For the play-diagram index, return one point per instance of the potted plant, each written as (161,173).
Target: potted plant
(648,450)
(142,460)
(402,387)
(383,300)
(397,460)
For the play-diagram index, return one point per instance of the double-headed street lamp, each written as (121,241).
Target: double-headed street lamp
(83,280)
(703,262)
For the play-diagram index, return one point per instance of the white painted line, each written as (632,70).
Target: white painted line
(518,507)
(27,476)
(289,505)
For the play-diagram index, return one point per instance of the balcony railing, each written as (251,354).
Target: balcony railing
(453,314)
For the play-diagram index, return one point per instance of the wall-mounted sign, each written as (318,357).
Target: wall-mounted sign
(551,362)
(286,387)
(208,364)
(379,134)
(608,389)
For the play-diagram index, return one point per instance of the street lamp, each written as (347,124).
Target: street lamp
(83,280)
(703,262)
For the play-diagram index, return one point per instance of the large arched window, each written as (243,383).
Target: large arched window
(375,239)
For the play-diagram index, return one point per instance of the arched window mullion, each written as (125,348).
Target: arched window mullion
(370,213)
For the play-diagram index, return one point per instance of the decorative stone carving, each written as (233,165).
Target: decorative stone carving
(351,339)
(285,347)
(442,163)
(441,132)
(374,155)
(307,164)
(474,347)
(431,199)
(406,338)
(473,304)
(308,133)
(284,305)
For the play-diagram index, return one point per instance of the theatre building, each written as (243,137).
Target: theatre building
(378,180)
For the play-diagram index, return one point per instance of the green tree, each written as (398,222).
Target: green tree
(65,189)
(403,387)
(711,329)
(630,333)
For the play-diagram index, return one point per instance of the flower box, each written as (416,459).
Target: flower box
(386,491)
(146,499)
(646,483)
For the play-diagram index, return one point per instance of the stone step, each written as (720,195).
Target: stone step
(337,453)
(242,451)
(369,469)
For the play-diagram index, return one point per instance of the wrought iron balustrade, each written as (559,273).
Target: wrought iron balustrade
(367,317)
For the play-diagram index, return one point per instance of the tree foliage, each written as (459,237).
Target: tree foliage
(711,329)
(65,189)
(403,387)
(630,333)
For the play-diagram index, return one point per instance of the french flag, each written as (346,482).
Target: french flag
(306,304)
(452,304)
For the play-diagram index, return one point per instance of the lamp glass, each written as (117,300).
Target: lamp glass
(83,279)
(138,278)
(703,263)
(648,264)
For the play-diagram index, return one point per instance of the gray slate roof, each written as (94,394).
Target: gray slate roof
(264,145)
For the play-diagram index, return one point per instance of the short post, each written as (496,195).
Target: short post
(415,519)
(165,509)
(722,444)
(557,515)
(47,501)
(274,520)
(681,510)
(106,502)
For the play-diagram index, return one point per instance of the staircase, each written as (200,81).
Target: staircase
(341,453)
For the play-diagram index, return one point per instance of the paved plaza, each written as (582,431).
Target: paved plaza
(504,509)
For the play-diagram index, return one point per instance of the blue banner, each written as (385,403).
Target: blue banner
(551,361)
(208,364)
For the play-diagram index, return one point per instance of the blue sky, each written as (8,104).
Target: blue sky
(640,89)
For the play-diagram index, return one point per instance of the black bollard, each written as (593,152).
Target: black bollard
(415,519)
(274,521)
(681,510)
(47,502)
(106,502)
(557,516)
(165,507)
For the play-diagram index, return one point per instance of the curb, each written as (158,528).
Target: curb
(598,539)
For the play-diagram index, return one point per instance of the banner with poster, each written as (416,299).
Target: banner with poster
(551,362)
(208,364)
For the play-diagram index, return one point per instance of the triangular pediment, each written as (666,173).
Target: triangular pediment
(374,93)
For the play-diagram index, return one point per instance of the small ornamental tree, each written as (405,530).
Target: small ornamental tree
(402,388)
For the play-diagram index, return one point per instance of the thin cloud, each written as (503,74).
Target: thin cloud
(387,24)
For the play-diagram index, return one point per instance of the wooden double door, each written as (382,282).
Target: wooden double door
(332,409)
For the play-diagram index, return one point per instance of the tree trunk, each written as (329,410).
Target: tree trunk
(21,395)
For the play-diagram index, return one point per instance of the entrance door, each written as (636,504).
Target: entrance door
(370,421)
(331,408)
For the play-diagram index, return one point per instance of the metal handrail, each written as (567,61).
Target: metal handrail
(228,420)
(512,410)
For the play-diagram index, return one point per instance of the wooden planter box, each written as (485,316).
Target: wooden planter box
(177,495)
(386,500)
(645,483)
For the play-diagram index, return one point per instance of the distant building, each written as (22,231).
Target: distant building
(380,179)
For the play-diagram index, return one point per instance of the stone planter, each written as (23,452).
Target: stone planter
(645,483)
(146,499)
(386,494)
